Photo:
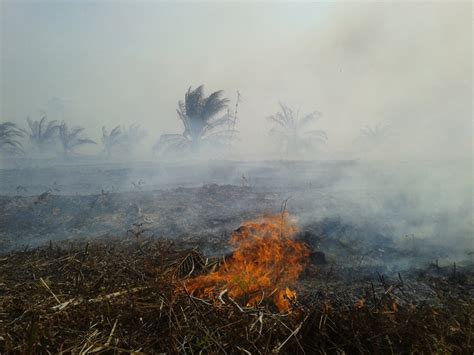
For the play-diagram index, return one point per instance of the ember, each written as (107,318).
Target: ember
(266,262)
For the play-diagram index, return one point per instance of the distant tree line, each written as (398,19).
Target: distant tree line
(209,124)
(44,136)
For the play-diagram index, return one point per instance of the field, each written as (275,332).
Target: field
(99,258)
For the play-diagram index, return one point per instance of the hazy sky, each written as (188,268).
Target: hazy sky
(109,63)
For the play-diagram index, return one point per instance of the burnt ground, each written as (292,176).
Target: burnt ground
(102,234)
(205,215)
(385,214)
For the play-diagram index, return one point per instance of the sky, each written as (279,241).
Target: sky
(94,63)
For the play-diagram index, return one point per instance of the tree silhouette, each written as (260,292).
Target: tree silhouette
(42,133)
(373,138)
(122,139)
(293,133)
(111,140)
(72,138)
(133,135)
(202,125)
(9,138)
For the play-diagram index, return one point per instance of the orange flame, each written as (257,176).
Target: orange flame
(266,261)
(359,304)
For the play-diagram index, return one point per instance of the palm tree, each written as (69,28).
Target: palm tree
(292,132)
(202,125)
(374,137)
(42,133)
(122,139)
(133,135)
(72,138)
(113,140)
(9,134)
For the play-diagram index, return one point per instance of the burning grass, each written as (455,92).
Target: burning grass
(125,296)
(267,260)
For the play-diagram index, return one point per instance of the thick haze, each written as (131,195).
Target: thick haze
(407,66)
(110,63)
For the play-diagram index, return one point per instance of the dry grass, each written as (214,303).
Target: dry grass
(112,296)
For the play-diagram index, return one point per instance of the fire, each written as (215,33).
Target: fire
(267,260)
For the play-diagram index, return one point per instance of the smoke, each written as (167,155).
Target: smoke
(403,64)
(401,70)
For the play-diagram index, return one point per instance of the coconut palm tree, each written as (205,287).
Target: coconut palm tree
(133,135)
(42,133)
(202,125)
(293,132)
(72,138)
(112,140)
(122,139)
(9,134)
(375,135)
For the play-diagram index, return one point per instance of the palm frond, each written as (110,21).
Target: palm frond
(40,125)
(213,105)
(75,131)
(117,131)
(287,115)
(33,125)
(309,119)
(171,142)
(42,133)
(375,134)
(316,134)
(278,119)
(193,101)
(51,128)
(227,133)
(220,122)
(113,140)
(8,137)
(72,138)
(82,141)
